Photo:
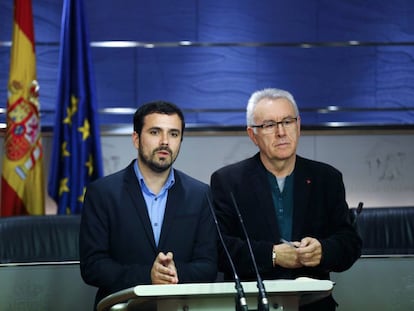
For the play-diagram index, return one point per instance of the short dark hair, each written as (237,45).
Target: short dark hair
(159,106)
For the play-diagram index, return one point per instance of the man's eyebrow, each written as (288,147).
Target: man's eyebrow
(161,128)
(154,128)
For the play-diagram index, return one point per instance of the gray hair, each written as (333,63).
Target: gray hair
(267,93)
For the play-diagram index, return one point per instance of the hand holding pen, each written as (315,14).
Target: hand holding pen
(309,252)
(291,244)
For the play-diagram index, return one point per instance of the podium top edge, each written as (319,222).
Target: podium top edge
(225,288)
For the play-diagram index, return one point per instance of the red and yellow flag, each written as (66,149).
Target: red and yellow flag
(22,180)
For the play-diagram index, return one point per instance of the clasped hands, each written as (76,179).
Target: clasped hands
(163,270)
(307,252)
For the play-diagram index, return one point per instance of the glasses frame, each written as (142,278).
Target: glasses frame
(272,126)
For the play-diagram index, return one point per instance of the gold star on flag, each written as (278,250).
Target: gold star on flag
(82,196)
(71,110)
(68,119)
(84,129)
(63,186)
(64,151)
(73,104)
(89,165)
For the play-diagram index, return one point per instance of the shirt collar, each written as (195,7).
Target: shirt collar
(168,183)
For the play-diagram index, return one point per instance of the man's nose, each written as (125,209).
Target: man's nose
(280,129)
(164,138)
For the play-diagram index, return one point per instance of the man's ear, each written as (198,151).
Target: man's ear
(135,139)
(298,125)
(250,132)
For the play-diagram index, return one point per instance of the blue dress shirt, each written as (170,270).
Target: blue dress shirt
(155,202)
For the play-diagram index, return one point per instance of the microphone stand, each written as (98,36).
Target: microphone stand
(240,298)
(262,302)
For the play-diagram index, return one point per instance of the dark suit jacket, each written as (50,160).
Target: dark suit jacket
(320,211)
(117,246)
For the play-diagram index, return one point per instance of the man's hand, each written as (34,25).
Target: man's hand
(287,256)
(163,270)
(309,252)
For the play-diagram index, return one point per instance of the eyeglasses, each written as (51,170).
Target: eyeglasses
(271,126)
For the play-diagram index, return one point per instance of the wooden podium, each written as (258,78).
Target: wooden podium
(282,295)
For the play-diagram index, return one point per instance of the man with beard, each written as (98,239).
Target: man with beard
(148,223)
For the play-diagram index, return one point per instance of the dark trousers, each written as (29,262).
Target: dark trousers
(325,304)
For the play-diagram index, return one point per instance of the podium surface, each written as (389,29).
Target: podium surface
(282,295)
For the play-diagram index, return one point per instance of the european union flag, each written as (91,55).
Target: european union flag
(76,158)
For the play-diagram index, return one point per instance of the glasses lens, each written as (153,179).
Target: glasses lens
(287,122)
(269,127)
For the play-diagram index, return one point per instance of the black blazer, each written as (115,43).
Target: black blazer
(117,246)
(320,211)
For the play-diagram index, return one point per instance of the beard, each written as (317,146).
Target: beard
(153,163)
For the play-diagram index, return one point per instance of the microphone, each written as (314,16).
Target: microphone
(262,302)
(240,299)
(357,212)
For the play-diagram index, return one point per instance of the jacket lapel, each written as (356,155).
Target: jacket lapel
(303,183)
(175,194)
(262,193)
(134,192)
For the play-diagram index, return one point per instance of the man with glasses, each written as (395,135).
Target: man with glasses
(293,208)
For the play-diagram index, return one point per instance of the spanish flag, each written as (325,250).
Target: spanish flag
(22,180)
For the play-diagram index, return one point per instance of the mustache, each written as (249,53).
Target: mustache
(163,148)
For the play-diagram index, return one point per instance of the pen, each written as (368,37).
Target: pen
(288,243)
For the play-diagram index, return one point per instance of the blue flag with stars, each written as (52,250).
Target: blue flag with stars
(76,157)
